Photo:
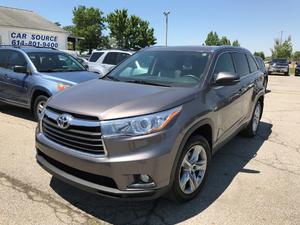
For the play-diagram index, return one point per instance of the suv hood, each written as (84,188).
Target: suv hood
(113,100)
(71,78)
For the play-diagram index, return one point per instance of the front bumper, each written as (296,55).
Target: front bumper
(117,171)
(279,69)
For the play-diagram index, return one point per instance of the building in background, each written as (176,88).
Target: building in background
(24,27)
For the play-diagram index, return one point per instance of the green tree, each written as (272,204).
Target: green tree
(296,56)
(89,24)
(260,54)
(129,32)
(282,49)
(236,43)
(117,24)
(212,39)
(224,41)
(69,28)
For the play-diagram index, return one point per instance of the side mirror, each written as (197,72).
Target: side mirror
(86,66)
(226,79)
(20,69)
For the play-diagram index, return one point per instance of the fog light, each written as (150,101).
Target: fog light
(145,178)
(142,181)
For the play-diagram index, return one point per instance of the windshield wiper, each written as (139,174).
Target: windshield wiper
(47,71)
(72,70)
(146,83)
(111,78)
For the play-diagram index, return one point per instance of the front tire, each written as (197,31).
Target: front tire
(191,170)
(38,106)
(251,129)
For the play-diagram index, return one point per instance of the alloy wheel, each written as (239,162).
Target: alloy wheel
(256,117)
(192,170)
(39,108)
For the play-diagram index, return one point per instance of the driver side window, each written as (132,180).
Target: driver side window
(224,64)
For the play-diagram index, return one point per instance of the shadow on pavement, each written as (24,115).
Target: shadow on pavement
(16,111)
(226,164)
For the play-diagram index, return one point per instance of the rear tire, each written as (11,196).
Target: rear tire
(38,106)
(265,84)
(191,170)
(251,129)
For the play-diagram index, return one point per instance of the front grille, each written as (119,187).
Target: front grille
(82,135)
(280,67)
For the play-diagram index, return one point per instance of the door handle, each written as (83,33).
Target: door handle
(6,77)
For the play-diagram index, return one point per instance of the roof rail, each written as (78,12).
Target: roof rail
(121,49)
(25,46)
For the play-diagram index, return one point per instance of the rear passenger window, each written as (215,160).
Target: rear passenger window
(95,56)
(111,58)
(252,64)
(241,63)
(3,57)
(224,64)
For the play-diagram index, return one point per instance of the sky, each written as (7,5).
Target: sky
(255,23)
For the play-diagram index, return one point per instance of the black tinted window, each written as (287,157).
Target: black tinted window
(282,61)
(261,63)
(3,57)
(15,59)
(241,63)
(224,64)
(122,57)
(111,58)
(95,56)
(252,64)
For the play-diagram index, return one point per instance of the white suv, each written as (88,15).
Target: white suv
(102,61)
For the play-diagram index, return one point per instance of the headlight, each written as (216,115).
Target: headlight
(139,125)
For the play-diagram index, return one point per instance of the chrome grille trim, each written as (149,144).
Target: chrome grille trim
(82,136)
(75,122)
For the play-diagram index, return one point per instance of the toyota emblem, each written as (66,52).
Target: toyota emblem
(64,120)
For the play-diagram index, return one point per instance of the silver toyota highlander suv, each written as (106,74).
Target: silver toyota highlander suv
(151,126)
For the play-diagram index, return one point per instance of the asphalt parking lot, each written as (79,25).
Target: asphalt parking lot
(251,181)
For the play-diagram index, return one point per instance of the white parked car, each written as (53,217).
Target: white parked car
(102,61)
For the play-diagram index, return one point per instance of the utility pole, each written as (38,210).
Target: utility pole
(281,35)
(167,21)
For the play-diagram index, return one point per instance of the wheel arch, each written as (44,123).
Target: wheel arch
(37,92)
(205,128)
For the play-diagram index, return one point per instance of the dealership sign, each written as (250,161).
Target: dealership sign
(31,39)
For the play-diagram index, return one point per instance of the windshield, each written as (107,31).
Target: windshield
(54,62)
(172,68)
(283,61)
